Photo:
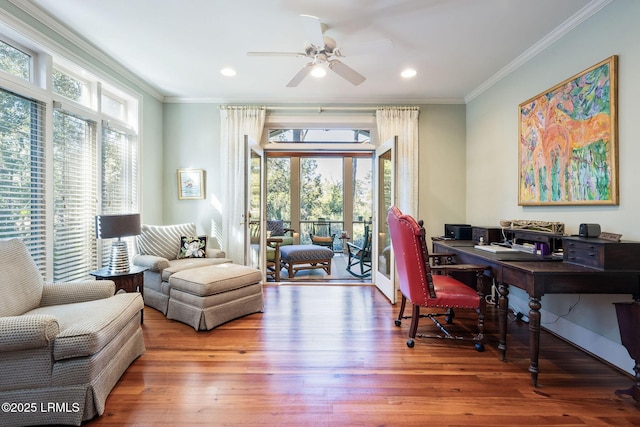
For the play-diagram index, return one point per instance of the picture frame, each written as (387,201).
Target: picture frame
(191,184)
(568,148)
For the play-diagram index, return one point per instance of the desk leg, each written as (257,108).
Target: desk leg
(534,337)
(503,310)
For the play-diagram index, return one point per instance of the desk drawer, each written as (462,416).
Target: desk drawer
(583,254)
(602,254)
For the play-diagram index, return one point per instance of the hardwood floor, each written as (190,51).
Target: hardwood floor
(331,355)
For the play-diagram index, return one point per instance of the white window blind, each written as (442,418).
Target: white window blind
(119,177)
(22,173)
(75,182)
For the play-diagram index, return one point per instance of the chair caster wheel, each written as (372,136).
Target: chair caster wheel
(479,347)
(410,343)
(398,323)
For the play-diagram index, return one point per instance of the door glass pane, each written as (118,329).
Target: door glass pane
(384,238)
(362,197)
(321,194)
(255,173)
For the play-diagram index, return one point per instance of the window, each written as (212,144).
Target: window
(119,172)
(319,136)
(114,106)
(15,62)
(74,172)
(49,197)
(119,178)
(71,87)
(22,173)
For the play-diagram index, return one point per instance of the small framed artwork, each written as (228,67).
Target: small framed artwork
(568,151)
(190,184)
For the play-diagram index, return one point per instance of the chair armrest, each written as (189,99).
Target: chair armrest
(289,230)
(151,262)
(27,331)
(215,253)
(354,246)
(74,292)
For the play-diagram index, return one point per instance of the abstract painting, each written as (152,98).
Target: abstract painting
(568,141)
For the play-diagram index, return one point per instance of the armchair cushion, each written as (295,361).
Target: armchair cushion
(19,271)
(163,240)
(86,327)
(321,239)
(68,293)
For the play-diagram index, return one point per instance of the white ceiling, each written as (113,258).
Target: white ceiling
(457,46)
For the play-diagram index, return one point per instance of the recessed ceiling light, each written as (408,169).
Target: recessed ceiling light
(318,71)
(408,73)
(229,72)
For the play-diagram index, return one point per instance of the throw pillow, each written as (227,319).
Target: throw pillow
(276,227)
(193,247)
(321,239)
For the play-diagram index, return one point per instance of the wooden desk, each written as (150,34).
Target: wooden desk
(538,276)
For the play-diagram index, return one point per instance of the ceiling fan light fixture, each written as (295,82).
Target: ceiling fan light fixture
(228,72)
(318,71)
(408,73)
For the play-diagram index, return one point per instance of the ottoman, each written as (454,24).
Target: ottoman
(305,257)
(206,297)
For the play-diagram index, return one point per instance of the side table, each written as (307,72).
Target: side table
(131,281)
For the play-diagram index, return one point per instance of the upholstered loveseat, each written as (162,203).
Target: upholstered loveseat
(63,346)
(160,249)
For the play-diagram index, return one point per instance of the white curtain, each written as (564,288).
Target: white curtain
(403,123)
(236,122)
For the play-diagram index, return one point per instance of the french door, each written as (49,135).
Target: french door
(254,223)
(385,192)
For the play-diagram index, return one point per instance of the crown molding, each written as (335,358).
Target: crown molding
(289,101)
(78,41)
(582,15)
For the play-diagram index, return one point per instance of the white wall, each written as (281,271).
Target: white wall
(492,150)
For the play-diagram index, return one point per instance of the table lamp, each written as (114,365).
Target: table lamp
(118,226)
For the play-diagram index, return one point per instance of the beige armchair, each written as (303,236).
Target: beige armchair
(61,344)
(160,249)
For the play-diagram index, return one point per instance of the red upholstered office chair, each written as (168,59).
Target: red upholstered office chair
(424,289)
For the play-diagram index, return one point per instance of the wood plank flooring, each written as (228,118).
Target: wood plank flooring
(331,356)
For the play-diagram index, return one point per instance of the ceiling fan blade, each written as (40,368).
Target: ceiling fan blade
(313,29)
(299,54)
(304,71)
(346,72)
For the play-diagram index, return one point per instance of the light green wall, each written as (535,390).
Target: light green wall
(492,150)
(442,185)
(192,140)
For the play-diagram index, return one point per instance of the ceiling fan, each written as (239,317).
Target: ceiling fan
(320,49)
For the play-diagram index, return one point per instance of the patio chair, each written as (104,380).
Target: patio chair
(359,261)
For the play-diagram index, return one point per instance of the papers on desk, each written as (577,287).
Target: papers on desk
(495,249)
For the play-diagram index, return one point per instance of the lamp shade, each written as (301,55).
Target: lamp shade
(112,226)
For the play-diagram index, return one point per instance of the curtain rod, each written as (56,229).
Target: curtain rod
(321,109)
